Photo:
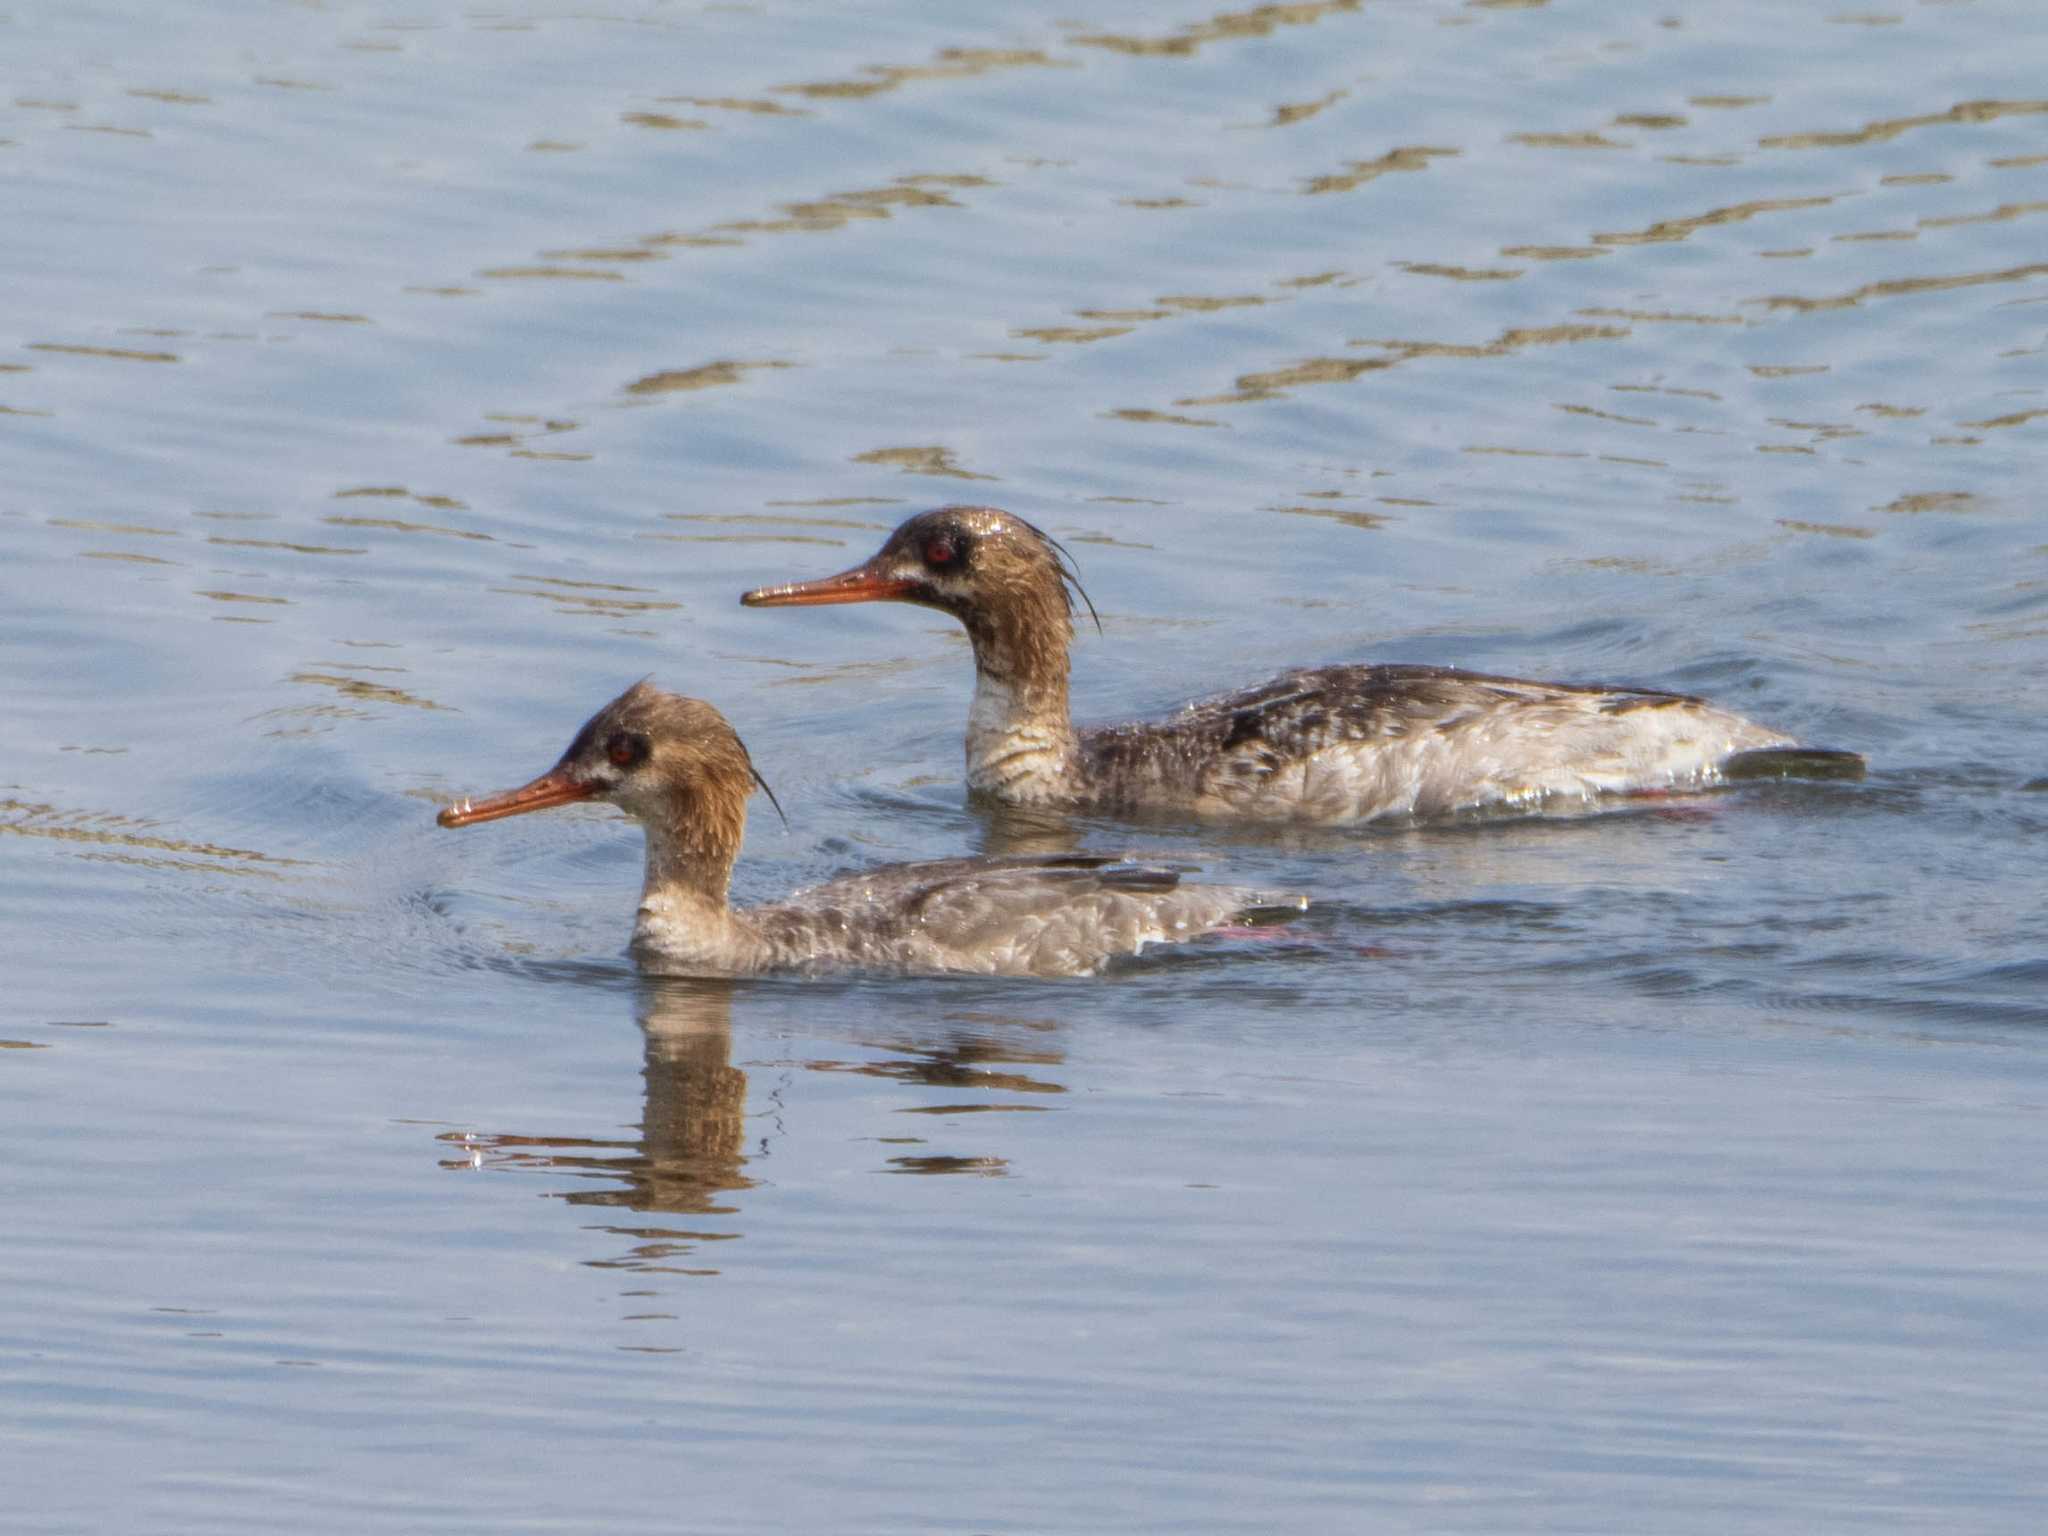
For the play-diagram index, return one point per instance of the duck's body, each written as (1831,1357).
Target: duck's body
(1028,915)
(1324,745)
(675,765)
(1331,745)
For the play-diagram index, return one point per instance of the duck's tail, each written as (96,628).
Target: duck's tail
(1268,909)
(1792,763)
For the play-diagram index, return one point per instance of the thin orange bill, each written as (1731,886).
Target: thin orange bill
(859,585)
(552,788)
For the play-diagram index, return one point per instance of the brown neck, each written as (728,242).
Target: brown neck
(691,846)
(1020,732)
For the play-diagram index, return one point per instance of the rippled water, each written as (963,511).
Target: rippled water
(381,390)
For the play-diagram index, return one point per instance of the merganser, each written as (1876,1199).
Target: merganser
(1325,745)
(675,765)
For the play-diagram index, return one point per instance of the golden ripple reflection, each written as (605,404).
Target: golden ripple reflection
(594,599)
(365,690)
(97,832)
(1462,274)
(1582,139)
(143,530)
(1301,111)
(1358,173)
(1349,518)
(401,525)
(663,121)
(1661,317)
(1668,230)
(1270,384)
(920,461)
(1161,418)
(544,272)
(776,520)
(1228,26)
(838,209)
(1554,252)
(1885,129)
(1074,335)
(399,492)
(2011,419)
(715,375)
(1932,501)
(759,107)
(836,673)
(286,545)
(117,354)
(949,64)
(1900,287)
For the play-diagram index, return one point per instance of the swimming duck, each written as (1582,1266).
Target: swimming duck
(1325,745)
(675,765)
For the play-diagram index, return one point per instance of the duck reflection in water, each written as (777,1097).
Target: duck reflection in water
(693,1149)
(965,1064)
(691,1153)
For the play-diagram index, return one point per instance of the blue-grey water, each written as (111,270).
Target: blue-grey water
(381,389)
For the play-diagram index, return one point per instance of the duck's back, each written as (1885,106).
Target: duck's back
(1340,744)
(1025,915)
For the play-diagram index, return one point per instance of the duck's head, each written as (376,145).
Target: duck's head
(662,758)
(1005,580)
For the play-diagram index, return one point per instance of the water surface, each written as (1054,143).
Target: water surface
(382,391)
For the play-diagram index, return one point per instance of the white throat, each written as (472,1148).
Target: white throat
(1018,748)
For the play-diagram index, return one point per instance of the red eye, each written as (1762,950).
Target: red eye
(940,552)
(625,749)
